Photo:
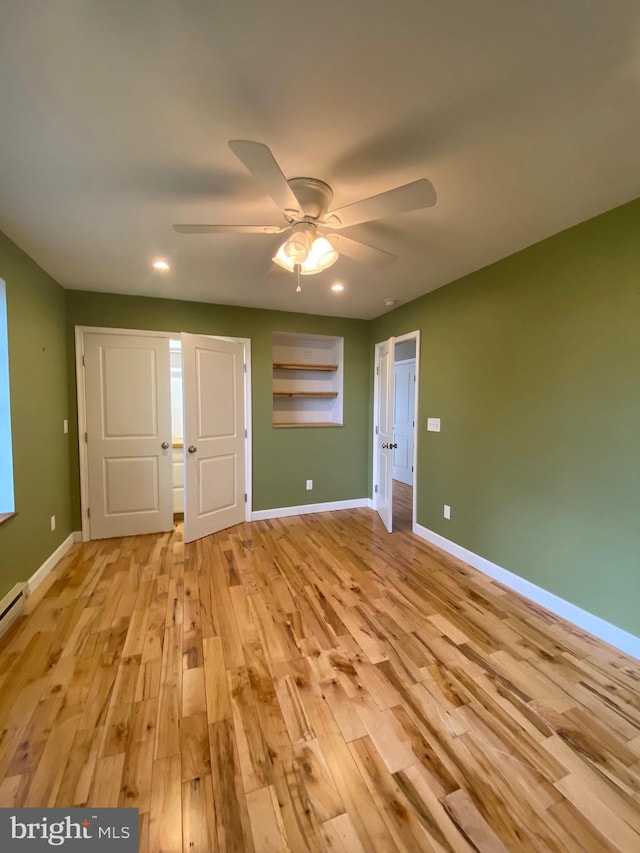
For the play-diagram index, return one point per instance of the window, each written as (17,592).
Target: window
(6,459)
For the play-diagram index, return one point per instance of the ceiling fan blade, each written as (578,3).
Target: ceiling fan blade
(361,252)
(259,160)
(229,229)
(413,196)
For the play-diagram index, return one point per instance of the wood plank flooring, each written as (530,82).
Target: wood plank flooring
(402,506)
(314,683)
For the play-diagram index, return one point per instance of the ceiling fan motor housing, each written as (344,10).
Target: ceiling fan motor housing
(314,196)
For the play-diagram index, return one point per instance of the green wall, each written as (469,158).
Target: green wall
(38,383)
(533,366)
(335,458)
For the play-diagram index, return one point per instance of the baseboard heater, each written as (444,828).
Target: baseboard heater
(12,606)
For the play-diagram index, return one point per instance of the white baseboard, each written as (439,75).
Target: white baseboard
(305,509)
(582,618)
(40,574)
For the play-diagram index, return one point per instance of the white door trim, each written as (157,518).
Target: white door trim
(80,332)
(415,335)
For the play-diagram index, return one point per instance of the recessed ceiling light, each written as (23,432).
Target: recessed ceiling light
(337,287)
(389,303)
(161,265)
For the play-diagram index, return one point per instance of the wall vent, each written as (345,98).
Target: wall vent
(12,605)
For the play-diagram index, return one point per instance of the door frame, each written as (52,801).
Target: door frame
(80,332)
(415,335)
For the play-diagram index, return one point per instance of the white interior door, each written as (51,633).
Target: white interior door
(383,498)
(214,434)
(403,420)
(128,419)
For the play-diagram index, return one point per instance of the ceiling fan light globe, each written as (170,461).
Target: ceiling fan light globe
(298,245)
(282,260)
(296,250)
(321,256)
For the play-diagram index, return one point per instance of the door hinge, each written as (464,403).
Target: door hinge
(245,497)
(245,434)
(245,367)
(83,361)
(375,490)
(377,429)
(86,437)
(412,469)
(88,513)
(378,370)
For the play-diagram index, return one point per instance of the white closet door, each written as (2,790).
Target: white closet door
(128,407)
(214,434)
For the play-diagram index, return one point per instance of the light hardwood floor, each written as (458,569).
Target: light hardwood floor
(314,683)
(402,506)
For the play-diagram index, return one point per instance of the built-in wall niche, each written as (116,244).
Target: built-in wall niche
(307,380)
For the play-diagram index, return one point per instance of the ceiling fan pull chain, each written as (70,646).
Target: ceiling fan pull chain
(298,288)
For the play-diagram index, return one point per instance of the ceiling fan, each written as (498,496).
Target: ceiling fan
(312,245)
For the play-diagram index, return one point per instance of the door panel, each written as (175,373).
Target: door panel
(129,377)
(216,374)
(131,485)
(403,421)
(214,424)
(219,483)
(128,419)
(384,437)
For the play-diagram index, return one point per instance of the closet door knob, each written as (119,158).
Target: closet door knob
(165,445)
(192,448)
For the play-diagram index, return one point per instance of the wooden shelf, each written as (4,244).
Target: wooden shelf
(314,424)
(307,380)
(305,393)
(327,367)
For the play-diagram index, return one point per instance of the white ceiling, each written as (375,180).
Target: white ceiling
(115,117)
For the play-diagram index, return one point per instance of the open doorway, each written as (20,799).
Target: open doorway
(177,428)
(404,399)
(394,441)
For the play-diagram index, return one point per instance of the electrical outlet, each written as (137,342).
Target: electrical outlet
(65,426)
(447,511)
(433,424)
(53,523)
(309,485)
